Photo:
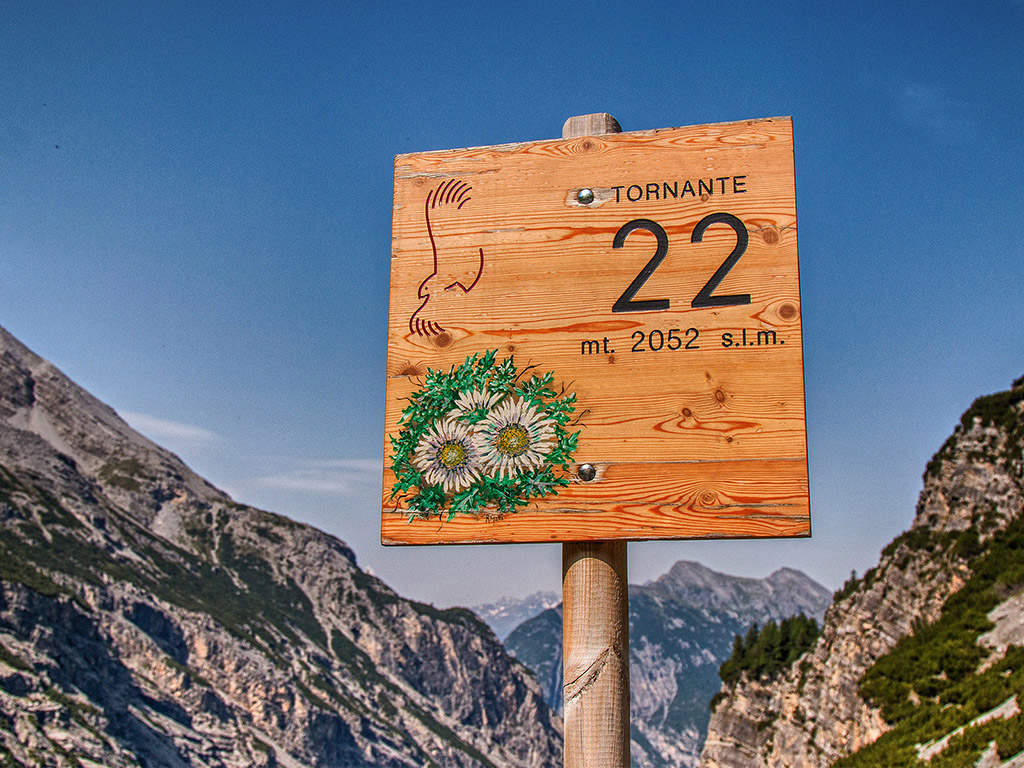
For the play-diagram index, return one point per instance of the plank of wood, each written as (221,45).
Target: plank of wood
(704,484)
(684,500)
(629,522)
(493,249)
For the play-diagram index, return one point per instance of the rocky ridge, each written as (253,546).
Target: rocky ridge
(148,620)
(814,714)
(681,629)
(506,614)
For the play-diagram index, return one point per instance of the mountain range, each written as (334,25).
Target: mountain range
(506,614)
(146,619)
(681,629)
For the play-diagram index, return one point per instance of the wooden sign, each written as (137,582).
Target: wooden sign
(597,338)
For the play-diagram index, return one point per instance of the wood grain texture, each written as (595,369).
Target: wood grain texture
(636,522)
(595,654)
(689,442)
(593,124)
(595,615)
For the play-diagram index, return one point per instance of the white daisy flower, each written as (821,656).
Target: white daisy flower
(515,437)
(473,406)
(448,455)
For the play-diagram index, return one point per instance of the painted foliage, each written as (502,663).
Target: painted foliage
(483,436)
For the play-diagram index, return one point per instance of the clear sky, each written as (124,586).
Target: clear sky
(195,212)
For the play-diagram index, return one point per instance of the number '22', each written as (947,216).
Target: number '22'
(705,297)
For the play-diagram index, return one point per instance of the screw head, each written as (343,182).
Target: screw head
(586,472)
(585,196)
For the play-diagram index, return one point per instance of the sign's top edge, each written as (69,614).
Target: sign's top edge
(510,146)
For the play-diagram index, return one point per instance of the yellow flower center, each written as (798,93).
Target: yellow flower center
(452,455)
(512,440)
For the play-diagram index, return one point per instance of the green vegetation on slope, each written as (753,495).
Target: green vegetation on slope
(43,538)
(1001,410)
(929,684)
(230,580)
(764,653)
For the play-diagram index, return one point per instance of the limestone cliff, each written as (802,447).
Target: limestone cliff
(148,620)
(814,713)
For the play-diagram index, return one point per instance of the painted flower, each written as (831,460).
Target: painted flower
(478,437)
(448,455)
(473,406)
(515,437)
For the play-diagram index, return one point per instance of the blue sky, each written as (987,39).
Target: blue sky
(195,211)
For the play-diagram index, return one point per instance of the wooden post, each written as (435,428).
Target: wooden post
(595,618)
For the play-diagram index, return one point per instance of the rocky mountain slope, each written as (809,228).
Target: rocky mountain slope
(681,629)
(148,620)
(901,659)
(506,614)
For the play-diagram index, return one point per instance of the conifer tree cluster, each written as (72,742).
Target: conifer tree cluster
(765,652)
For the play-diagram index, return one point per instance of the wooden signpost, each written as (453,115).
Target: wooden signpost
(595,340)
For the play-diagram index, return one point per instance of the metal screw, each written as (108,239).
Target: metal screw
(587,472)
(585,196)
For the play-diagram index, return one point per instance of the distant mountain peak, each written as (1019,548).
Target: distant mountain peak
(687,569)
(681,629)
(37,398)
(507,613)
(787,572)
(784,593)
